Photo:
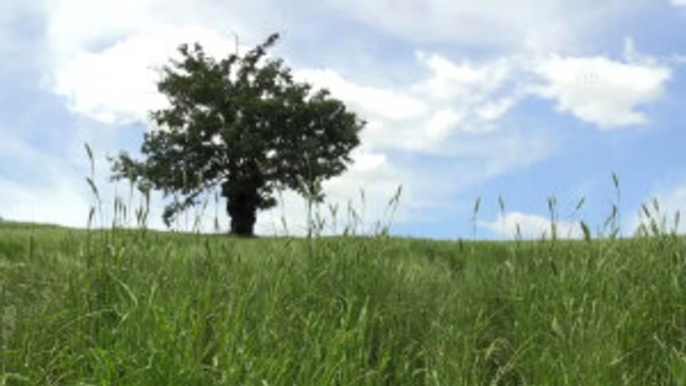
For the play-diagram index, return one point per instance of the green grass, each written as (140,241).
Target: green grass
(145,308)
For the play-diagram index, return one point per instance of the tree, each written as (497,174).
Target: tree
(244,125)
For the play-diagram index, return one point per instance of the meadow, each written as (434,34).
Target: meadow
(136,307)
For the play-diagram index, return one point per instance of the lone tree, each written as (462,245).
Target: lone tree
(244,125)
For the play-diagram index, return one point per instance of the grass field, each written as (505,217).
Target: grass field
(121,307)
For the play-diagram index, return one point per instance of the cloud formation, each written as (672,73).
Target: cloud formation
(539,24)
(601,91)
(531,226)
(118,84)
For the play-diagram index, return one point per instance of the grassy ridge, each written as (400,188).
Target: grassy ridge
(133,308)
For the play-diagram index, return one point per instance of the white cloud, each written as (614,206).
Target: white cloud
(114,82)
(530,226)
(100,55)
(492,111)
(678,3)
(386,104)
(429,116)
(440,125)
(553,24)
(463,81)
(461,97)
(118,84)
(82,25)
(473,21)
(602,91)
(368,161)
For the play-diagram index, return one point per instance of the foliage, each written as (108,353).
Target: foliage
(245,125)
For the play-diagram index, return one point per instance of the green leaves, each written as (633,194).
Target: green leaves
(242,123)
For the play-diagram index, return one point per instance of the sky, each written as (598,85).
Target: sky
(514,104)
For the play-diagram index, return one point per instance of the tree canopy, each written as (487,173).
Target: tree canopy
(243,125)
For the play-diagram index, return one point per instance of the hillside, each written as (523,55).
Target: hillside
(134,308)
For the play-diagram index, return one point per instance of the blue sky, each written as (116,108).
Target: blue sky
(522,100)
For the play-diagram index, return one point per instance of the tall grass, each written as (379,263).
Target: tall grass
(116,306)
(124,307)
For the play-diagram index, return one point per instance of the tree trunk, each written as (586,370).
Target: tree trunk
(242,208)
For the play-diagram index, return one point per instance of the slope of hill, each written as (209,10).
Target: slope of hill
(133,308)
